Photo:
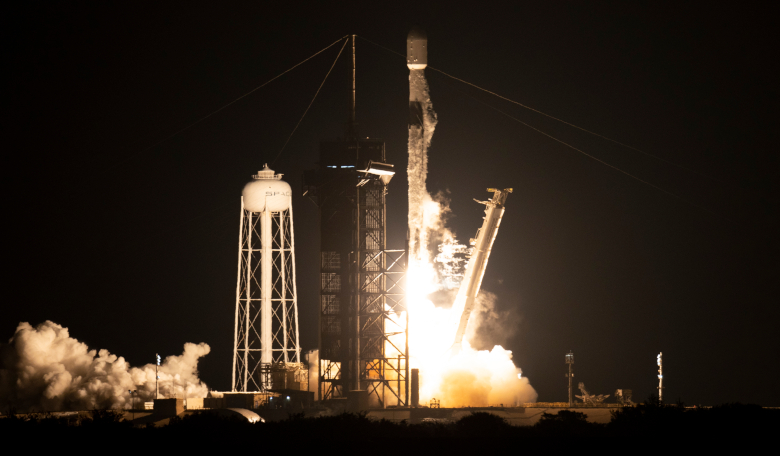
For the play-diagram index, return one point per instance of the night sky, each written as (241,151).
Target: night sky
(129,239)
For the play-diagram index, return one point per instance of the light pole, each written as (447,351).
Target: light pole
(570,375)
(660,377)
(132,401)
(157,379)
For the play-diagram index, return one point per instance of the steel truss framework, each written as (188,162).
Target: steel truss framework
(362,303)
(266,320)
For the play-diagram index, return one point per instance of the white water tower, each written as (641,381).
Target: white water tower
(266,321)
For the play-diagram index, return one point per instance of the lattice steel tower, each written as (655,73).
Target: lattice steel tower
(266,321)
(363,342)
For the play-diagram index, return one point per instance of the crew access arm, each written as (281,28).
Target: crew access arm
(483,243)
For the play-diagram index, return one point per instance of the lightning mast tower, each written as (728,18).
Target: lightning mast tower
(266,320)
(363,347)
(570,376)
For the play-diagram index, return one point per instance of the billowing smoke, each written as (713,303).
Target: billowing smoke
(481,378)
(44,369)
(472,376)
(468,377)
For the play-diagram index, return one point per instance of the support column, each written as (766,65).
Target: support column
(266,305)
(238,293)
(248,306)
(358,239)
(283,283)
(295,288)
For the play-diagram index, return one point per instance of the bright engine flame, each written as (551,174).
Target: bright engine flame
(468,377)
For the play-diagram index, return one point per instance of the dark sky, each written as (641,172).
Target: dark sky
(134,249)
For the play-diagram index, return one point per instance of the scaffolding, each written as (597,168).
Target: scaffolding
(363,319)
(363,343)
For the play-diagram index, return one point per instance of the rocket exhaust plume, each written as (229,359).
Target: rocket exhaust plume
(44,369)
(467,376)
(422,123)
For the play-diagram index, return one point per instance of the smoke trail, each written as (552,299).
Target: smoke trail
(420,134)
(44,369)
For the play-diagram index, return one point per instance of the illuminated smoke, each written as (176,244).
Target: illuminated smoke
(44,369)
(417,168)
(451,263)
(470,377)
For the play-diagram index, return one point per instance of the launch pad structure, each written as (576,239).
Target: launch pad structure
(363,356)
(363,344)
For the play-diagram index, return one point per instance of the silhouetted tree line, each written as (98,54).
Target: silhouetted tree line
(650,427)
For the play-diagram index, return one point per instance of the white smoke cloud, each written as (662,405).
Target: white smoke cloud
(478,375)
(44,369)
(480,378)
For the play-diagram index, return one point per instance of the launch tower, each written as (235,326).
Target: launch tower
(363,346)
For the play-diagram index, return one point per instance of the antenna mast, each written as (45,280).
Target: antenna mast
(352,127)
